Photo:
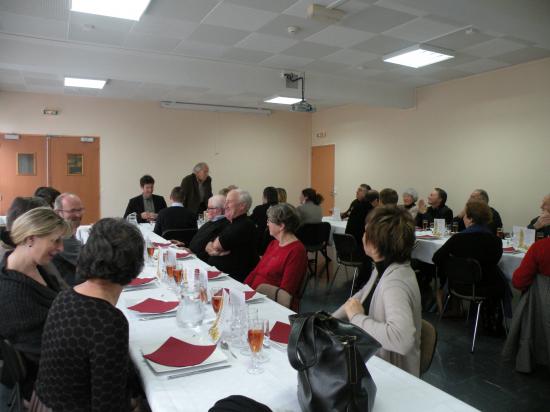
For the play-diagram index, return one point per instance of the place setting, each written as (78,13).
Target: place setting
(150,309)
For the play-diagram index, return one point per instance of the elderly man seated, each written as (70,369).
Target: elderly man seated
(234,250)
(541,223)
(436,209)
(211,229)
(359,197)
(482,196)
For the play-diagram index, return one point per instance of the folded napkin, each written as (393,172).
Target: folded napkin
(426,237)
(158,244)
(248,294)
(280,332)
(179,354)
(154,306)
(140,281)
(182,254)
(212,274)
(509,249)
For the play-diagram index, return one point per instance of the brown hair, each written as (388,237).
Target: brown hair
(389,197)
(391,231)
(479,212)
(177,194)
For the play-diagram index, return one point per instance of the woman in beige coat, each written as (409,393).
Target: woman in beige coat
(388,307)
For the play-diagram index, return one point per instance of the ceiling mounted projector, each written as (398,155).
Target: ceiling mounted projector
(303,106)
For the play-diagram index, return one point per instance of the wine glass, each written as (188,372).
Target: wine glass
(150,251)
(216,299)
(255,342)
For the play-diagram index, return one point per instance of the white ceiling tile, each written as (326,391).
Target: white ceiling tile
(421,30)
(183,93)
(50,9)
(79,91)
(493,47)
(238,17)
(310,50)
(38,81)
(350,57)
(523,55)
(92,21)
(196,49)
(321,66)
(339,36)
(79,33)
(280,24)
(281,61)
(400,6)
(376,19)
(245,55)
(224,36)
(383,45)
(164,27)
(461,39)
(299,9)
(32,26)
(190,10)
(270,5)
(480,65)
(150,42)
(12,87)
(265,42)
(45,89)
(11,76)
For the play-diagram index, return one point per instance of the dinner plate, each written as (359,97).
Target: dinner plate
(217,357)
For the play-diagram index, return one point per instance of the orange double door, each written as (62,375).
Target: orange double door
(67,163)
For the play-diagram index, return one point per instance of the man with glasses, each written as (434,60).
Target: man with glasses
(69,207)
(211,229)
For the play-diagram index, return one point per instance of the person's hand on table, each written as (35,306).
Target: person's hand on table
(353,307)
(145,215)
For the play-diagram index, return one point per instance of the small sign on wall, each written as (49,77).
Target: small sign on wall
(75,164)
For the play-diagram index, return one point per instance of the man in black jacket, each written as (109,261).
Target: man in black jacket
(482,196)
(197,188)
(211,229)
(436,210)
(147,205)
(176,216)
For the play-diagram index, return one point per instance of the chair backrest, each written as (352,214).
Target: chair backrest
(314,235)
(346,247)
(13,370)
(183,235)
(428,342)
(282,297)
(463,274)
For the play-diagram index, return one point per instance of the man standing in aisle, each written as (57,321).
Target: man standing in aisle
(197,188)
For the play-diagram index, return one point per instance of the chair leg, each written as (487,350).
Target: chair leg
(445,306)
(475,326)
(353,282)
(504,319)
(333,279)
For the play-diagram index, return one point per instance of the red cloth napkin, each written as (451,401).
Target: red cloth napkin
(280,332)
(177,353)
(212,274)
(153,306)
(157,244)
(509,249)
(426,237)
(249,294)
(140,281)
(183,254)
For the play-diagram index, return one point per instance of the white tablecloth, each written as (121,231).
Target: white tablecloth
(276,387)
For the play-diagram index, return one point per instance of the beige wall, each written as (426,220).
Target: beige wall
(490,131)
(251,151)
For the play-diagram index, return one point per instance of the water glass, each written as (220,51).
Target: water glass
(425,224)
(190,310)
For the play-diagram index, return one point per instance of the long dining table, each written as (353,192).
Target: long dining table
(276,387)
(425,248)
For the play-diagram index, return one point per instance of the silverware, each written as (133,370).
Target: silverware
(153,317)
(224,345)
(195,372)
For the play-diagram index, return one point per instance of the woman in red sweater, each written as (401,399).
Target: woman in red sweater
(284,262)
(536,262)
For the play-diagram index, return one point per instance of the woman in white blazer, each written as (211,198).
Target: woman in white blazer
(388,307)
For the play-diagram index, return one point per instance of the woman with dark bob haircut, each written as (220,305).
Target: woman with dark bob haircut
(388,306)
(309,209)
(285,260)
(85,365)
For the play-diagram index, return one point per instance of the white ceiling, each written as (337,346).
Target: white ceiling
(232,51)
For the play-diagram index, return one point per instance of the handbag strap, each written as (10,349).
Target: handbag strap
(300,362)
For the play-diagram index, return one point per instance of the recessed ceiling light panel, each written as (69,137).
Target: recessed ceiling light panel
(282,100)
(122,9)
(87,83)
(419,56)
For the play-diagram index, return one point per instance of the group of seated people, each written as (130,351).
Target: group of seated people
(63,319)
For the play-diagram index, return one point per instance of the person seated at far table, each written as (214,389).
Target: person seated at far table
(176,216)
(224,191)
(211,229)
(536,262)
(436,209)
(360,194)
(309,209)
(234,250)
(281,194)
(49,194)
(147,205)
(388,306)
(284,262)
(388,197)
(482,196)
(410,196)
(85,363)
(259,217)
(541,223)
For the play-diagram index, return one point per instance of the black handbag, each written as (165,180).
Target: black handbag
(330,356)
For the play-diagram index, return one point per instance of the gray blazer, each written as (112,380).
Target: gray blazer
(395,316)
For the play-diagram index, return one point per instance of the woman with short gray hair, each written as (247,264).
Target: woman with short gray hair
(410,196)
(284,262)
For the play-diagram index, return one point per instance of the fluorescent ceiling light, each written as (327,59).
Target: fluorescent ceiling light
(282,100)
(419,56)
(88,83)
(122,9)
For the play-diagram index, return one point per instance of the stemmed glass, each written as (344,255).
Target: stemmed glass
(216,299)
(150,251)
(255,342)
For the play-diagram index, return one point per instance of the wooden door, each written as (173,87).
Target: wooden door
(322,175)
(74,167)
(22,167)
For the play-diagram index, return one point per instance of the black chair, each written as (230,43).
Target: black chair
(464,276)
(14,373)
(183,235)
(315,237)
(347,255)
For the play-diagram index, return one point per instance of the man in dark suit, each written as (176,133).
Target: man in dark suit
(147,205)
(436,209)
(176,216)
(211,229)
(482,196)
(197,188)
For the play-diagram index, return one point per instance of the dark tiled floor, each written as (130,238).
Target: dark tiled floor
(482,379)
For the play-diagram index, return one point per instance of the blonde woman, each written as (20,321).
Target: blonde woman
(26,289)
